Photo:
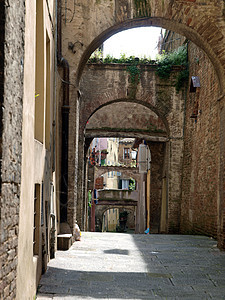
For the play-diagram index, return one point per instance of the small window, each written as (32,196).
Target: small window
(36,219)
(126,153)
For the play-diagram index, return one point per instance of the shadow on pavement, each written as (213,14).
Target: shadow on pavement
(143,267)
(99,284)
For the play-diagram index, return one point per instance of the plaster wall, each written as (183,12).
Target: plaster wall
(125,161)
(36,158)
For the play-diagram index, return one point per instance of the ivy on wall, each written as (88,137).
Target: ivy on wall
(164,63)
(176,58)
(134,72)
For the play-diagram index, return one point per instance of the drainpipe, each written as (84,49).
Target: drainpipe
(62,62)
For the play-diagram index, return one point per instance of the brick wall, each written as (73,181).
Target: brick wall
(157,156)
(11,141)
(2,57)
(201,151)
(156,94)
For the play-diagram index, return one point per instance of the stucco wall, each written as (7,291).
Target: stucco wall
(36,155)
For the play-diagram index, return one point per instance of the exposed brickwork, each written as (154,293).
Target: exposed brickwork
(2,58)
(201,151)
(159,96)
(11,142)
(202,22)
(137,118)
(157,156)
(75,156)
(221,200)
(155,98)
(101,209)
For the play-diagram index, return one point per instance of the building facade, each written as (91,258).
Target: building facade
(28,201)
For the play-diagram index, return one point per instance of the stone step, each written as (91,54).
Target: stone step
(64,241)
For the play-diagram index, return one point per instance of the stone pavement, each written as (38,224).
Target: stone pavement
(129,266)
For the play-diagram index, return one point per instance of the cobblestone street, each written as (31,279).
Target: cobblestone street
(127,266)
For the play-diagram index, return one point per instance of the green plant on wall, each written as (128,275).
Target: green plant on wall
(135,73)
(132,184)
(166,61)
(97,57)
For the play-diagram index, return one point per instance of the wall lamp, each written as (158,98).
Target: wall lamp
(71,46)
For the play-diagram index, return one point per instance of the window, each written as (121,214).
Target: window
(126,153)
(48,95)
(39,74)
(36,219)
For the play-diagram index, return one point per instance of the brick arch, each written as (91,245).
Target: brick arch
(87,109)
(101,209)
(155,94)
(202,28)
(142,116)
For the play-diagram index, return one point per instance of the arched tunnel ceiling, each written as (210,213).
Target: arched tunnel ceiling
(127,117)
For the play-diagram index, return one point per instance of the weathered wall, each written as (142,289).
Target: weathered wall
(127,172)
(200,21)
(157,95)
(154,95)
(37,156)
(130,217)
(137,118)
(117,195)
(101,209)
(11,141)
(157,156)
(125,144)
(200,185)
(2,58)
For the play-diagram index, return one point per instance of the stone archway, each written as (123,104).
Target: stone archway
(202,24)
(158,98)
(101,209)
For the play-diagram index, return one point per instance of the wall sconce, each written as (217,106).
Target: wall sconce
(195,83)
(72,45)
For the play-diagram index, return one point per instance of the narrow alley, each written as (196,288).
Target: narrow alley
(127,266)
(112,123)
